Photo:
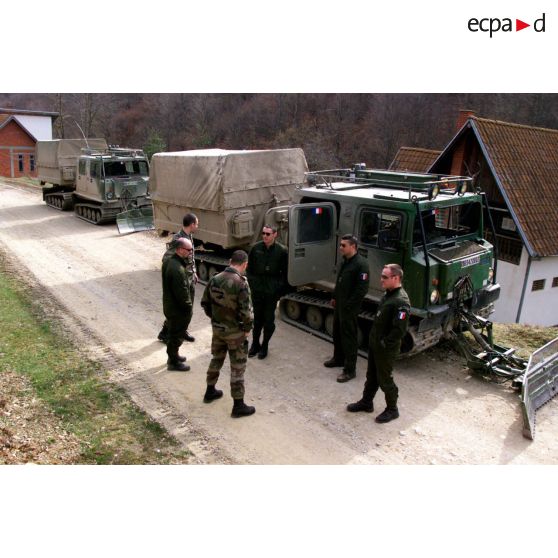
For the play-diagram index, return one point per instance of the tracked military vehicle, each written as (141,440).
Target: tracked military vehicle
(430,225)
(101,184)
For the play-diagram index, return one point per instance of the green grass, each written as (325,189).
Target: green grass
(110,427)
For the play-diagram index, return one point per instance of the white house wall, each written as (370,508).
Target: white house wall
(541,307)
(39,126)
(511,278)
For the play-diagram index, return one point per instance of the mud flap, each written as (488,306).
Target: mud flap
(135,220)
(540,384)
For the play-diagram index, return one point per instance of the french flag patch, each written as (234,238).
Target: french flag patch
(363,276)
(402,315)
(318,210)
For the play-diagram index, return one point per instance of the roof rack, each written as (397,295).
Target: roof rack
(113,151)
(429,185)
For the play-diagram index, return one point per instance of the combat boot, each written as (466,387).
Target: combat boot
(181,358)
(211,394)
(254,349)
(240,409)
(345,377)
(263,351)
(361,405)
(332,363)
(163,337)
(387,415)
(177,366)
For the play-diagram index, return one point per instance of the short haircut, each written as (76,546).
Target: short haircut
(183,243)
(395,270)
(352,240)
(239,257)
(274,229)
(188,219)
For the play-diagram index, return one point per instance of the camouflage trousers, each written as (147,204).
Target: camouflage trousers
(237,346)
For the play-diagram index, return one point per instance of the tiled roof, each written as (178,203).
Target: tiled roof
(524,160)
(413,159)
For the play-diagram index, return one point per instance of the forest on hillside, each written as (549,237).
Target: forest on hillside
(333,129)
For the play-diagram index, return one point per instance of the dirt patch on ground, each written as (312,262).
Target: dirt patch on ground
(29,431)
(105,289)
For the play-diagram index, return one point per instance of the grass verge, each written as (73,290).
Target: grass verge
(108,426)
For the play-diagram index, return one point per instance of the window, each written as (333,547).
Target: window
(382,230)
(555,282)
(20,163)
(314,224)
(95,169)
(444,223)
(538,285)
(31,163)
(82,167)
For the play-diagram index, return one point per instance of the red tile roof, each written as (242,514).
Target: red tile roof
(413,159)
(524,160)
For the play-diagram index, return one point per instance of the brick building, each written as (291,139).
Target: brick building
(19,132)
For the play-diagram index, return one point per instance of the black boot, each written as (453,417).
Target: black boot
(361,405)
(211,394)
(240,409)
(163,336)
(254,348)
(181,358)
(388,415)
(176,365)
(263,350)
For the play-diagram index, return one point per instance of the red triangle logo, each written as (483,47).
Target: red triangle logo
(519,25)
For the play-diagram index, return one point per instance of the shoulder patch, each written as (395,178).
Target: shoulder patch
(364,276)
(402,314)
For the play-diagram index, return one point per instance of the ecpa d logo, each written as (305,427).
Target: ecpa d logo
(493,25)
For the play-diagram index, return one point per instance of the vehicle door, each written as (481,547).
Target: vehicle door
(379,233)
(312,242)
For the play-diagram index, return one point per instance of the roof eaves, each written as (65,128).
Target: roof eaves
(528,245)
(13,118)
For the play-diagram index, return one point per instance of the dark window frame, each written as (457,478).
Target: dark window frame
(380,244)
(538,285)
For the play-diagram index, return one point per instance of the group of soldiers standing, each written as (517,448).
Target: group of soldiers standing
(243,298)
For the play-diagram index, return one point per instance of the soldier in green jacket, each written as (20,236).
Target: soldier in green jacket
(226,300)
(267,275)
(177,301)
(350,288)
(389,327)
(190,225)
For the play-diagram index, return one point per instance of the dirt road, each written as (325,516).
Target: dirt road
(106,289)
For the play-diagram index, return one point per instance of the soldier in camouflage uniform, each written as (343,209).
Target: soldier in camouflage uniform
(388,329)
(226,300)
(190,225)
(177,302)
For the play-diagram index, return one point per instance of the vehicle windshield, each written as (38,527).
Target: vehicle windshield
(126,168)
(444,223)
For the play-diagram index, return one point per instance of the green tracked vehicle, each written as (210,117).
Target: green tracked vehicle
(101,183)
(430,225)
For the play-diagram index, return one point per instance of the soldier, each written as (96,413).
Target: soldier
(267,275)
(190,225)
(177,301)
(350,288)
(226,300)
(388,329)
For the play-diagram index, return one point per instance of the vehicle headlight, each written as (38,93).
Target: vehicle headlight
(491,275)
(434,296)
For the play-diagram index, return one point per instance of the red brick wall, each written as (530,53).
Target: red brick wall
(13,135)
